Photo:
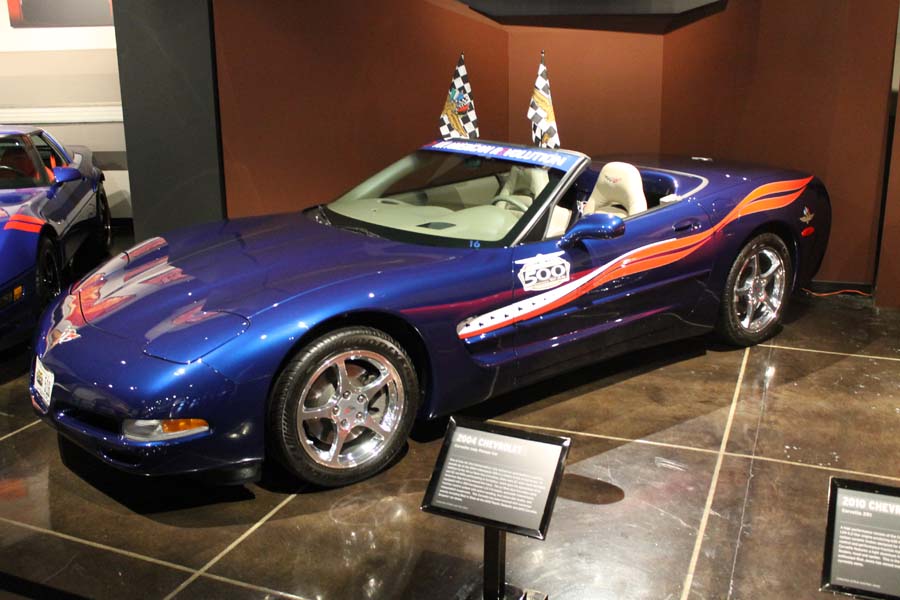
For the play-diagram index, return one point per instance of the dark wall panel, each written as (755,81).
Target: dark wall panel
(167,75)
(887,284)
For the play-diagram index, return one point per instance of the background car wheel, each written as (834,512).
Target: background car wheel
(343,407)
(103,236)
(756,291)
(48,279)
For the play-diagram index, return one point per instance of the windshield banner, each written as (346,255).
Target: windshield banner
(531,156)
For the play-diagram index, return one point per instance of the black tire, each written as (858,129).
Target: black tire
(741,285)
(47,274)
(102,239)
(311,380)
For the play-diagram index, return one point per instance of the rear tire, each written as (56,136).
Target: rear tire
(756,291)
(102,240)
(343,407)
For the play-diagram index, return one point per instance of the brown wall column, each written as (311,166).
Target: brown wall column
(802,84)
(314,96)
(606,87)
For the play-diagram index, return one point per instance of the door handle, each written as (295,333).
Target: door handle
(686,225)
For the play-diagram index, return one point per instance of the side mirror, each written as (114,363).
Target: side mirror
(63,174)
(598,226)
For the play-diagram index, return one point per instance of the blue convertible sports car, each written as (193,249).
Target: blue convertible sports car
(51,204)
(459,272)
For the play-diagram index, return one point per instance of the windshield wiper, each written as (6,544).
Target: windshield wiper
(365,232)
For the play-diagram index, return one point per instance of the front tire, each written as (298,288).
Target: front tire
(343,407)
(756,291)
(47,274)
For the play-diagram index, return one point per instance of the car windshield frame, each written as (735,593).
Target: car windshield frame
(560,168)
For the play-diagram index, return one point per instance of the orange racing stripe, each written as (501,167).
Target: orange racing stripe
(27,219)
(19,226)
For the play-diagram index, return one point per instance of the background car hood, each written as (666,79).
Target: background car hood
(214,278)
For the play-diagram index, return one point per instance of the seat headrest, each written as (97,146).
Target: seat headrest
(619,187)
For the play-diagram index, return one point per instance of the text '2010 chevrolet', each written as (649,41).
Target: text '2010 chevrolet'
(459,272)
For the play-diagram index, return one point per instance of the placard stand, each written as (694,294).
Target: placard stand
(494,564)
(504,480)
(495,586)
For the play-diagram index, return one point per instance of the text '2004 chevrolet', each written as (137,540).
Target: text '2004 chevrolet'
(459,272)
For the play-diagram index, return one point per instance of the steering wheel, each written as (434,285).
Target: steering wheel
(514,202)
(14,170)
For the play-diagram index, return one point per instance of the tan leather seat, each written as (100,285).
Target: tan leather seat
(524,184)
(559,222)
(618,191)
(525,181)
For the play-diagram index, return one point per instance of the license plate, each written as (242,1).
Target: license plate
(43,381)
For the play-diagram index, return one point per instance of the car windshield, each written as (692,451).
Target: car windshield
(444,198)
(17,169)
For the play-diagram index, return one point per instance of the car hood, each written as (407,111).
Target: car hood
(212,280)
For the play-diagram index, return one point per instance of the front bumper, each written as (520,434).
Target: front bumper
(102,379)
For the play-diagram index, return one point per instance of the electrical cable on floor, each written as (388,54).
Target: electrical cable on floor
(823,294)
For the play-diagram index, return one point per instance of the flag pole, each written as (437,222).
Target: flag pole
(542,57)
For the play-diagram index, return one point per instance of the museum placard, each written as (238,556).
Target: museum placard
(497,477)
(862,546)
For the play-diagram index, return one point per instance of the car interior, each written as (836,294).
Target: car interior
(473,199)
(479,199)
(49,156)
(16,166)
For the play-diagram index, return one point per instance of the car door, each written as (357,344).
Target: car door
(68,204)
(597,296)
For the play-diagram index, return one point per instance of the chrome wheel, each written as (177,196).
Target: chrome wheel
(759,290)
(350,409)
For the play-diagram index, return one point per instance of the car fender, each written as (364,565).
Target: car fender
(787,222)
(254,359)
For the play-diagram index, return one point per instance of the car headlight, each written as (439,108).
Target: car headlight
(151,430)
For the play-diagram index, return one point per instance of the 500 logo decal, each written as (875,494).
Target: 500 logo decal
(543,272)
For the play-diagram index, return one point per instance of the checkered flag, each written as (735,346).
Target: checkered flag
(458,119)
(540,111)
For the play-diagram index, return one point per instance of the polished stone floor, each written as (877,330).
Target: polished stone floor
(696,471)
